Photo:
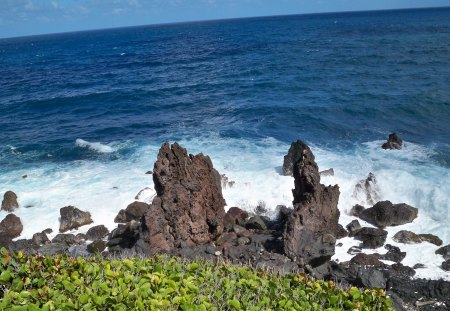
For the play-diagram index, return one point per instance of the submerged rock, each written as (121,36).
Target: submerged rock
(9,203)
(11,227)
(393,142)
(73,218)
(384,214)
(189,207)
(312,227)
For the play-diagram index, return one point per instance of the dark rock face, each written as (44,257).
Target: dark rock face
(189,207)
(11,226)
(444,251)
(367,191)
(393,253)
(356,210)
(256,222)
(367,260)
(97,246)
(134,211)
(73,218)
(67,238)
(408,237)
(235,215)
(393,142)
(311,229)
(353,227)
(9,202)
(97,232)
(40,238)
(446,265)
(341,233)
(371,237)
(126,236)
(384,214)
(294,155)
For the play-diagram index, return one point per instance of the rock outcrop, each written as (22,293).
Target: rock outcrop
(73,218)
(444,251)
(11,227)
(293,156)
(97,233)
(371,237)
(134,211)
(189,207)
(393,142)
(384,214)
(311,229)
(366,190)
(9,203)
(409,237)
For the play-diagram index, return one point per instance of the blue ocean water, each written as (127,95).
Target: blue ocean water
(82,114)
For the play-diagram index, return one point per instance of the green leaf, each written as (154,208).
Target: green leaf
(234,304)
(5,276)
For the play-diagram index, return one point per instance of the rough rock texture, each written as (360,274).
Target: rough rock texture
(356,210)
(189,207)
(11,226)
(9,202)
(235,215)
(446,265)
(371,237)
(384,214)
(353,227)
(366,190)
(393,254)
(134,211)
(393,142)
(97,232)
(311,229)
(341,233)
(256,222)
(293,156)
(444,251)
(73,218)
(40,238)
(408,237)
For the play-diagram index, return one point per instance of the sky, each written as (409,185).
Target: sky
(31,17)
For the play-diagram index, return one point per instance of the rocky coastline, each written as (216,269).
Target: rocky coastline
(187,218)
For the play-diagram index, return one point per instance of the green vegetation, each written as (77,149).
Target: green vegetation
(164,283)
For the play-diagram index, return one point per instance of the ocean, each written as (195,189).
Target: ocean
(83,114)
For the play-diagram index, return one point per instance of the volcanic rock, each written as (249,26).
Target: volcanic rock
(235,215)
(366,190)
(311,229)
(341,232)
(96,247)
(367,260)
(446,265)
(356,210)
(353,227)
(393,254)
(294,155)
(393,142)
(40,238)
(97,232)
(9,202)
(134,211)
(256,222)
(408,237)
(444,251)
(371,237)
(73,218)
(65,238)
(189,207)
(384,214)
(11,226)
(125,236)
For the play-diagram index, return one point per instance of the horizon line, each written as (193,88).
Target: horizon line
(222,19)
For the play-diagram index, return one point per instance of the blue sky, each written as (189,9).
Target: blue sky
(29,17)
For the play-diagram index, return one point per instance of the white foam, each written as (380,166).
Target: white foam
(95,146)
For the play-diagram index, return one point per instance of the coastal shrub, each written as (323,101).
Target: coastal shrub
(165,283)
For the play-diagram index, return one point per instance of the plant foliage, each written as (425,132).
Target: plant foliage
(165,283)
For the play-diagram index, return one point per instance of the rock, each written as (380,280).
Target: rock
(384,214)
(9,203)
(366,190)
(393,142)
(11,226)
(294,155)
(371,278)
(125,236)
(367,260)
(73,218)
(48,231)
(354,250)
(96,247)
(328,172)
(311,229)
(40,238)
(78,251)
(235,215)
(53,249)
(134,211)
(356,210)
(353,227)
(371,237)
(189,207)
(261,208)
(97,233)
(241,231)
(446,265)
(341,232)
(256,222)
(408,237)
(226,237)
(419,266)
(444,251)
(393,254)
(243,241)
(65,238)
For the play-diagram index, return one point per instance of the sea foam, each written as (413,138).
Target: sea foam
(94,146)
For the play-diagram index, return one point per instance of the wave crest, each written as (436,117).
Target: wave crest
(95,146)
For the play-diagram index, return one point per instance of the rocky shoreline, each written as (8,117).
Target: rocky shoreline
(187,218)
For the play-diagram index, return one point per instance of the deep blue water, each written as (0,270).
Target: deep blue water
(335,80)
